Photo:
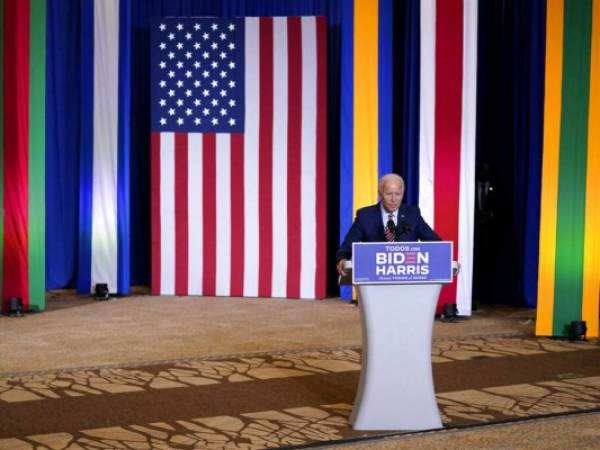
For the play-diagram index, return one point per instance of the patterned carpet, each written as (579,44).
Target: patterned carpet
(259,401)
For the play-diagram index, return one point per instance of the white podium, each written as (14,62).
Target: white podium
(396,390)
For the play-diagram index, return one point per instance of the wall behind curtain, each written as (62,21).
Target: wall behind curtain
(63,123)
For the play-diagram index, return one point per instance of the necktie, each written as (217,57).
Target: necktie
(390,229)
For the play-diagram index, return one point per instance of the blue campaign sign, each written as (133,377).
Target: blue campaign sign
(401,262)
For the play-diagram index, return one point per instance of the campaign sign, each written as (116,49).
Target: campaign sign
(401,262)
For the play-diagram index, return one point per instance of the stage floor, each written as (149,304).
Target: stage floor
(183,372)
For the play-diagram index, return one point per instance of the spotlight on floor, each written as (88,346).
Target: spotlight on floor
(577,330)
(101,291)
(450,312)
(15,307)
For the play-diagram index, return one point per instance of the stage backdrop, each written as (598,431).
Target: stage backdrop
(441,70)
(569,264)
(239,156)
(22,151)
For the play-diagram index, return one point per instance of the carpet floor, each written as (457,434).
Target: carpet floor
(282,399)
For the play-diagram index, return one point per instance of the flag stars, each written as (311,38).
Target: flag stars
(192,93)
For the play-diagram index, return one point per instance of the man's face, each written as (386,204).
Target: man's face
(391,195)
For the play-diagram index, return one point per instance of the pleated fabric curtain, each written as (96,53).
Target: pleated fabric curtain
(22,151)
(447,132)
(366,106)
(104,227)
(569,255)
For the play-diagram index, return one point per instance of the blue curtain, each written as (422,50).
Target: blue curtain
(62,142)
(64,121)
(407,39)
(509,143)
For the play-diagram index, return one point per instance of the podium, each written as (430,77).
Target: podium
(398,287)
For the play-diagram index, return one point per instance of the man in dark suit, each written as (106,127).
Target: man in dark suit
(386,221)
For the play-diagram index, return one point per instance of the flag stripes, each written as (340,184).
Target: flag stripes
(249,216)
(366,106)
(22,155)
(591,250)
(16,150)
(569,268)
(105,145)
(447,132)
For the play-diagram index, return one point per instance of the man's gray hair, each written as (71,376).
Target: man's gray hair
(388,178)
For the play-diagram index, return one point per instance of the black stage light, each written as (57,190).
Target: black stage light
(15,307)
(577,330)
(101,292)
(450,312)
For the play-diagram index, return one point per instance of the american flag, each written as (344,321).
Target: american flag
(238,156)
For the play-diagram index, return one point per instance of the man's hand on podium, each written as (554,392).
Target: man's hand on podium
(455,268)
(340,267)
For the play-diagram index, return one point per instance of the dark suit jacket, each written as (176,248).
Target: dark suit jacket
(368,227)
